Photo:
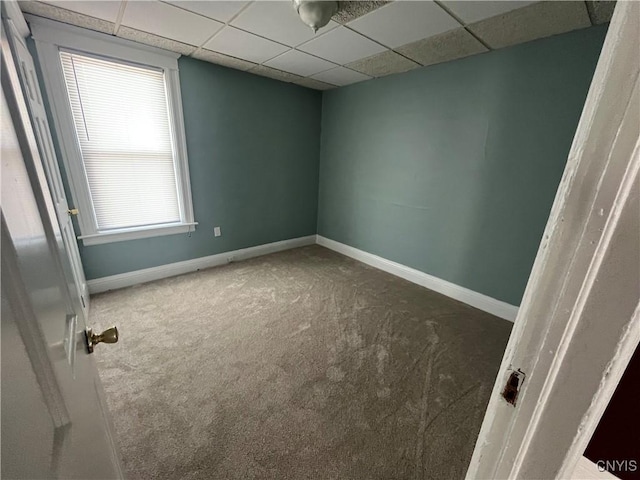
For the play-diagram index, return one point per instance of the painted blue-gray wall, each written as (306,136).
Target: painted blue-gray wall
(452,169)
(253,145)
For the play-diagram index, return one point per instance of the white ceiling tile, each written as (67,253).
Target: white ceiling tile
(350,10)
(169,21)
(224,60)
(451,45)
(67,16)
(341,46)
(155,40)
(470,12)
(237,43)
(403,22)
(300,63)
(269,72)
(538,20)
(106,10)
(382,64)
(278,21)
(340,76)
(222,11)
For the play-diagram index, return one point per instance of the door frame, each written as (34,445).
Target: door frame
(573,360)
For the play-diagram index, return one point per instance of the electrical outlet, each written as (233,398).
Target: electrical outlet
(216,231)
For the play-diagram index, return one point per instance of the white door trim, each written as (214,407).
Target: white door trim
(587,470)
(578,323)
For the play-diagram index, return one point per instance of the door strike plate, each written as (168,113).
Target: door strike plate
(513,386)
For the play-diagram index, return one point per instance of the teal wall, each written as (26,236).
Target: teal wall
(452,169)
(253,145)
(449,169)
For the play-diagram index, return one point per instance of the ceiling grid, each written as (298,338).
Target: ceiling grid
(364,40)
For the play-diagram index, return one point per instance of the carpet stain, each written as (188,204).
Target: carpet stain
(303,364)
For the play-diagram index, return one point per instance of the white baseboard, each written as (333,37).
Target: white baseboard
(172,269)
(462,294)
(478,300)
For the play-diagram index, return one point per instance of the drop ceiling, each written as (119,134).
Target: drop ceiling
(365,39)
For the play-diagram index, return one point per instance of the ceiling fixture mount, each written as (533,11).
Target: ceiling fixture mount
(315,13)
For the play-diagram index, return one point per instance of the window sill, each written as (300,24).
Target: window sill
(135,234)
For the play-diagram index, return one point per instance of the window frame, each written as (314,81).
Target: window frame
(50,38)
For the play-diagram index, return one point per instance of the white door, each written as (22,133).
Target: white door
(55,423)
(31,90)
(579,322)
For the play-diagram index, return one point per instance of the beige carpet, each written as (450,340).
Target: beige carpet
(298,365)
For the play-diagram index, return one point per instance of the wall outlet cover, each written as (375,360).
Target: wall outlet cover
(216,231)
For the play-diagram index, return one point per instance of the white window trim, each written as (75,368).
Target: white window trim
(49,37)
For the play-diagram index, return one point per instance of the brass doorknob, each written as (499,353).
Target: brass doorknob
(110,335)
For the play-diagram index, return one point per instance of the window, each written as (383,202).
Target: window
(119,119)
(122,124)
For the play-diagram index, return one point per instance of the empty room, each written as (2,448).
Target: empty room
(316,239)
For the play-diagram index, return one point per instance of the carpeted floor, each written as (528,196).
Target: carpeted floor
(303,364)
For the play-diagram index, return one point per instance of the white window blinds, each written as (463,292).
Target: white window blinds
(120,113)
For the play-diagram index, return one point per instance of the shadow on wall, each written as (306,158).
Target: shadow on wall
(452,169)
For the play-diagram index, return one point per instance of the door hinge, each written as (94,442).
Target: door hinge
(513,386)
